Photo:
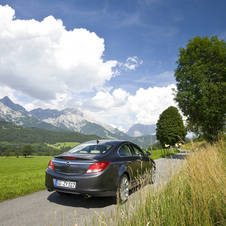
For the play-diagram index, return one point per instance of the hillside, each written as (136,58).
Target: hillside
(17,134)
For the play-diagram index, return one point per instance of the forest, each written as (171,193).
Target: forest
(13,138)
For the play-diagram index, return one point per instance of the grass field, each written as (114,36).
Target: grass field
(22,176)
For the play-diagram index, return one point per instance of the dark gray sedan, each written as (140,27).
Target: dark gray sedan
(100,168)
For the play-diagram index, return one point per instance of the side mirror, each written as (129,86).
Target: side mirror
(148,153)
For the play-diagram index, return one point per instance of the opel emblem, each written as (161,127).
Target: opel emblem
(68,164)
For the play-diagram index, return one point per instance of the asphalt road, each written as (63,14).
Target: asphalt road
(49,208)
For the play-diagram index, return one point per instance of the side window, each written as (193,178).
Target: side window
(124,151)
(137,151)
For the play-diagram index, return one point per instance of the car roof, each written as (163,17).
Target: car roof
(106,141)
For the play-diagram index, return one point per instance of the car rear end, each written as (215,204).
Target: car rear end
(82,173)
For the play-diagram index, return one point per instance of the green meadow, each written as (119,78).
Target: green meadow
(60,145)
(156,154)
(22,176)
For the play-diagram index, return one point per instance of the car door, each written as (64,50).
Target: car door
(139,155)
(131,161)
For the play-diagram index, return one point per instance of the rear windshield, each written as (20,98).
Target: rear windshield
(91,149)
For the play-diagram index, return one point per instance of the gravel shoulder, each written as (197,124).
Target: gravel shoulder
(45,208)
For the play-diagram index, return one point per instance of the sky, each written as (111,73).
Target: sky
(112,59)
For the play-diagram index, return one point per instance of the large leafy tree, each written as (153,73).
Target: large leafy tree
(170,127)
(201,85)
(26,150)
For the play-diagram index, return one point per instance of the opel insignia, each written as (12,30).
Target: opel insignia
(100,168)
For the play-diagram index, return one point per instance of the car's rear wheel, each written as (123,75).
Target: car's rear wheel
(123,189)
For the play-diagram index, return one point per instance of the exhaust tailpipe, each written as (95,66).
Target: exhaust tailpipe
(87,196)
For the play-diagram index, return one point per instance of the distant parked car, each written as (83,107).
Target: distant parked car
(100,168)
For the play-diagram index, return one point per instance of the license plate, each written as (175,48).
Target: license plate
(65,184)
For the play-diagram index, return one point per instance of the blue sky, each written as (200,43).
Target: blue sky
(114,60)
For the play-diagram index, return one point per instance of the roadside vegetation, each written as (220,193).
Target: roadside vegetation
(195,195)
(194,144)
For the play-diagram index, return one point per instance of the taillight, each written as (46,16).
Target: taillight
(50,166)
(69,158)
(98,167)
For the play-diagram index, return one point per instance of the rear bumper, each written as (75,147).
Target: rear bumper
(97,184)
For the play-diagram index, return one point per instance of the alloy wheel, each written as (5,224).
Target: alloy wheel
(153,175)
(124,189)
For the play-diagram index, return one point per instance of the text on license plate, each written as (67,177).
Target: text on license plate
(65,184)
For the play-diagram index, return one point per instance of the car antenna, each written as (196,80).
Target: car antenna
(98,141)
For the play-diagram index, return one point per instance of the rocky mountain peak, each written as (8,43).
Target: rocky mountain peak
(16,107)
(72,111)
(140,130)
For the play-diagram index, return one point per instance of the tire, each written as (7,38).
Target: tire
(123,189)
(152,176)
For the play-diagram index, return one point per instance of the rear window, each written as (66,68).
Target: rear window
(91,149)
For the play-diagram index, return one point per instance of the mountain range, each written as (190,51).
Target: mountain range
(71,119)
(138,129)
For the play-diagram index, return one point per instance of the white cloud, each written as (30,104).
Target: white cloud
(61,101)
(6,91)
(132,63)
(43,59)
(148,104)
(103,101)
(123,109)
(49,65)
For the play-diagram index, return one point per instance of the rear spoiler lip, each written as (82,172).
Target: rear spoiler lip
(74,158)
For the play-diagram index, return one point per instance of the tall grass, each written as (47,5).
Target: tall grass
(194,196)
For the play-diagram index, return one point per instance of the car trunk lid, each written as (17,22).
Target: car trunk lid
(72,165)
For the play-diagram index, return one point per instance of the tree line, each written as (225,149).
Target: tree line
(21,149)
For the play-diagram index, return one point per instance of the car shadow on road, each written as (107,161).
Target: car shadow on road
(80,201)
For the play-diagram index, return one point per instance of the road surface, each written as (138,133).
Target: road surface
(45,208)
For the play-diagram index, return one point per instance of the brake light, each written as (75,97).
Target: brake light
(69,158)
(98,167)
(50,166)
